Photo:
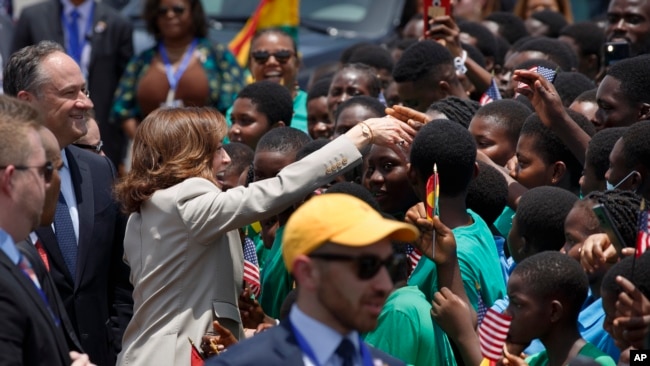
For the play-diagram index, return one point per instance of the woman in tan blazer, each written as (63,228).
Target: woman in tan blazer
(181,239)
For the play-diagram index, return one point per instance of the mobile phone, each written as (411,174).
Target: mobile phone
(615,51)
(606,223)
(435,8)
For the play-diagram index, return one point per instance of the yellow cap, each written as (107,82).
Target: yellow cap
(341,219)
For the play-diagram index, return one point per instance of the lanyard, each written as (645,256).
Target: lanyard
(307,350)
(84,36)
(55,318)
(174,77)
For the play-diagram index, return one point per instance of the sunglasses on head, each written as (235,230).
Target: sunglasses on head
(262,56)
(176,9)
(367,265)
(46,170)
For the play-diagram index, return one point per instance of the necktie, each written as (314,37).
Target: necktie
(73,35)
(346,352)
(65,235)
(42,254)
(26,267)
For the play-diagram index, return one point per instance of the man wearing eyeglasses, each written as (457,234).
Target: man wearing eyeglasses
(340,253)
(30,334)
(97,37)
(84,245)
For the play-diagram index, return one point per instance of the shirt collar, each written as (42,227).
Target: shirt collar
(64,157)
(322,339)
(8,246)
(83,9)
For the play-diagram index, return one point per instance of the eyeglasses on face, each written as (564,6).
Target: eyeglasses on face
(94,148)
(45,170)
(261,57)
(176,9)
(367,265)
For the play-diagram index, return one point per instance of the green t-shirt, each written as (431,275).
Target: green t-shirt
(277,282)
(406,331)
(503,223)
(479,265)
(588,350)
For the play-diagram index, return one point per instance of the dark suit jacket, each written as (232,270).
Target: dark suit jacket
(28,334)
(112,47)
(98,300)
(6,35)
(276,346)
(49,288)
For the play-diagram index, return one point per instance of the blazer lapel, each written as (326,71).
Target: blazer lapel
(27,285)
(286,347)
(83,189)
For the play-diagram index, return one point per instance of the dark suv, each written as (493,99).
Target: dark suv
(327,27)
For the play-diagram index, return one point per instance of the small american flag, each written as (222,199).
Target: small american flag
(548,74)
(413,255)
(492,334)
(491,94)
(643,235)
(251,267)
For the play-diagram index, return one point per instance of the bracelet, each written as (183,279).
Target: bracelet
(459,63)
(367,131)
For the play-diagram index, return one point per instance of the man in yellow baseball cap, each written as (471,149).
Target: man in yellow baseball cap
(339,251)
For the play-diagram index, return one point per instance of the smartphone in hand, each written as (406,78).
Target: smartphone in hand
(615,51)
(435,8)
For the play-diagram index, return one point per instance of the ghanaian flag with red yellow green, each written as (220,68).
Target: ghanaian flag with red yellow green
(283,14)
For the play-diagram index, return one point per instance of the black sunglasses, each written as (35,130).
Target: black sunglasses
(94,148)
(367,265)
(45,170)
(262,57)
(176,9)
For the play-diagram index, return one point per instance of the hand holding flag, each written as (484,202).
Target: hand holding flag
(492,334)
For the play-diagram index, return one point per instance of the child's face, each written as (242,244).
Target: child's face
(248,124)
(318,119)
(349,118)
(492,139)
(609,306)
(267,164)
(576,229)
(589,182)
(530,314)
(531,170)
(346,84)
(516,242)
(385,176)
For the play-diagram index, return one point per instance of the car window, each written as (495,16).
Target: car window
(351,18)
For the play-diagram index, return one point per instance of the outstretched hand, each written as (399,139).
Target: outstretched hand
(597,251)
(410,116)
(632,320)
(213,343)
(542,94)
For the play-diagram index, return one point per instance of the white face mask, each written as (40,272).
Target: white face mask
(612,187)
